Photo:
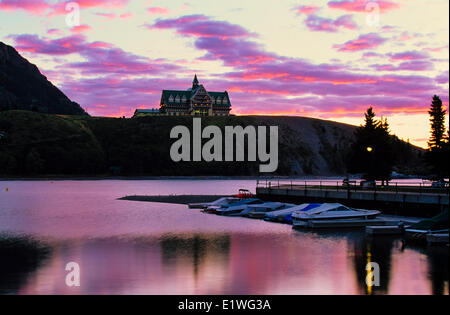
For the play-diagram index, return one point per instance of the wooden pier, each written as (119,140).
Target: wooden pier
(414,199)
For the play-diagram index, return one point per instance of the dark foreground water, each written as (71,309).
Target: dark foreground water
(129,247)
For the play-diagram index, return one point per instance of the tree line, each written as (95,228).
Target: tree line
(373,151)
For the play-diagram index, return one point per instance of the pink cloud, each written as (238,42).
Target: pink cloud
(201,26)
(31,6)
(54,31)
(442,78)
(126,15)
(316,23)
(158,10)
(406,36)
(436,49)
(307,9)
(409,55)
(414,65)
(106,15)
(113,16)
(363,42)
(80,29)
(100,58)
(371,54)
(56,47)
(360,5)
(60,7)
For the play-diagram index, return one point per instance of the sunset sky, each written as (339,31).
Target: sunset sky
(323,58)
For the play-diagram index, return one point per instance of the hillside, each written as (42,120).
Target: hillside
(22,86)
(36,144)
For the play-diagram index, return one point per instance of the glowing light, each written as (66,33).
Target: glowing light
(369,149)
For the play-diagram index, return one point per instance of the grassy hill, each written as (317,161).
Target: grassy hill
(36,144)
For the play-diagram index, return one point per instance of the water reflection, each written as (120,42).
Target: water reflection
(373,250)
(126,247)
(20,257)
(237,263)
(437,258)
(197,249)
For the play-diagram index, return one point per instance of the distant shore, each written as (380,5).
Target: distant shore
(176,199)
(58,177)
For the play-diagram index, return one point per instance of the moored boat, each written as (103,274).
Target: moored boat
(234,207)
(437,225)
(219,202)
(333,213)
(285,215)
(259,211)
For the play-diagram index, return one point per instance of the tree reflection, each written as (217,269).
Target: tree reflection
(20,257)
(377,250)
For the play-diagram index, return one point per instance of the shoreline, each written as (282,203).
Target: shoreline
(174,199)
(81,178)
(200,177)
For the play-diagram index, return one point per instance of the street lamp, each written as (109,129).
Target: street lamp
(369,149)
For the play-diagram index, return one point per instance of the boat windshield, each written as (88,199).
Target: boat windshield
(341,208)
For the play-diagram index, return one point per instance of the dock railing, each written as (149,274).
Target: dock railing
(419,187)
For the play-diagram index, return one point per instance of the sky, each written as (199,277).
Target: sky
(328,59)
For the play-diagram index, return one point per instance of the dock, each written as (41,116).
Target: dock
(414,199)
(437,238)
(384,230)
(342,224)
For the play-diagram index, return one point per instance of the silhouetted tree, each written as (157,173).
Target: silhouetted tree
(437,120)
(371,152)
(437,154)
(370,122)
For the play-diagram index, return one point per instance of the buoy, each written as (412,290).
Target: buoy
(7,189)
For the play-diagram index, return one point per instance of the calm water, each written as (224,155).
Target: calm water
(128,247)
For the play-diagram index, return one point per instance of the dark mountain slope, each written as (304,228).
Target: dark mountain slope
(22,86)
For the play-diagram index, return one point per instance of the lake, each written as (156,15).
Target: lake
(131,247)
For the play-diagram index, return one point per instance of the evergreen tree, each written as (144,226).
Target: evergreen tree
(371,152)
(437,121)
(437,154)
(370,123)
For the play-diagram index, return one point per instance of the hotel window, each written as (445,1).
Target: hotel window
(219,101)
(177,99)
(184,99)
(171,98)
(225,101)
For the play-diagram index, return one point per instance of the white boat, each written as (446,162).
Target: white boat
(285,215)
(331,212)
(219,202)
(259,211)
(235,207)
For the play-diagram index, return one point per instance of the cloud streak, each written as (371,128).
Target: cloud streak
(320,24)
(363,42)
(361,5)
